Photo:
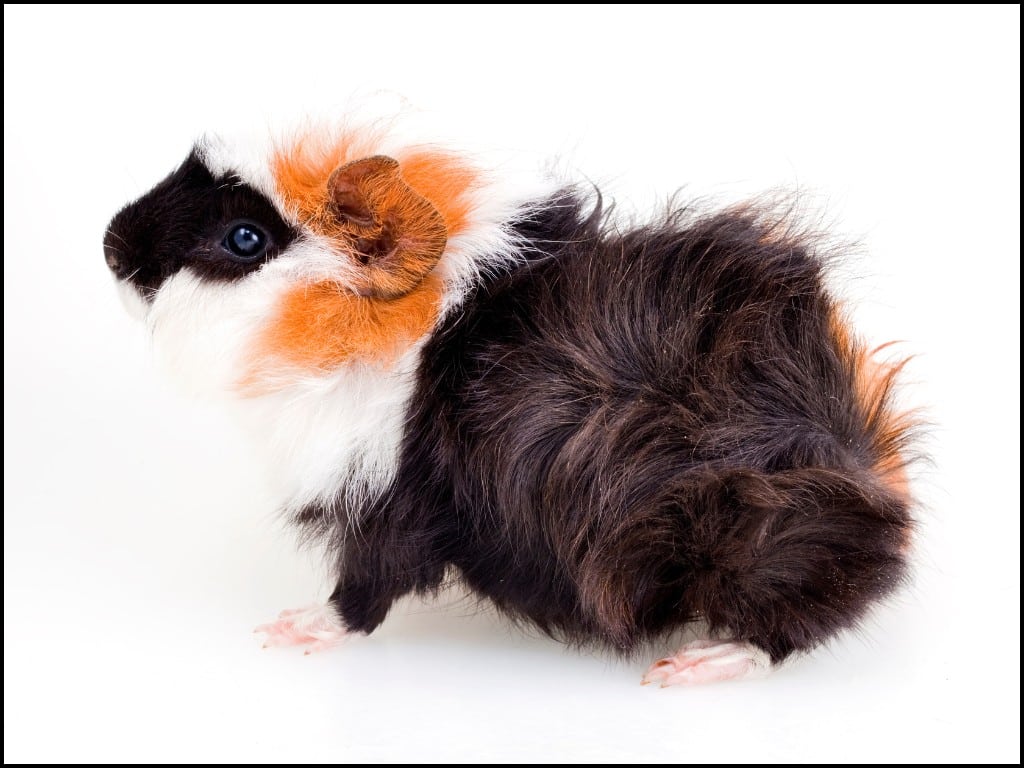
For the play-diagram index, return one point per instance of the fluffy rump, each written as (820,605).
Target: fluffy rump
(633,429)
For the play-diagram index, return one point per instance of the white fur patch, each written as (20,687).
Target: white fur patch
(334,436)
(132,300)
(246,155)
(487,245)
(202,330)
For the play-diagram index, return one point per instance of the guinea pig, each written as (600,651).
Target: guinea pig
(609,431)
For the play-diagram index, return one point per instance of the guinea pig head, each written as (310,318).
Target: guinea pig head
(320,257)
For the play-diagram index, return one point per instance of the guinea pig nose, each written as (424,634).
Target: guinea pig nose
(114,258)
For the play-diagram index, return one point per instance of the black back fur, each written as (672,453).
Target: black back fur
(635,430)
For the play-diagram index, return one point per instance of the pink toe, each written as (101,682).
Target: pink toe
(707,672)
(317,627)
(659,670)
(707,661)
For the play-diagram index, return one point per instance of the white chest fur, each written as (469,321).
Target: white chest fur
(337,436)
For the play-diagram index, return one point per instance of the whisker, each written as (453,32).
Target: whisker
(114,234)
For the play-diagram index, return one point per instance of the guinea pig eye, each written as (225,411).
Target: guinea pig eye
(246,242)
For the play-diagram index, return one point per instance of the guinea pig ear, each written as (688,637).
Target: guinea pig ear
(397,235)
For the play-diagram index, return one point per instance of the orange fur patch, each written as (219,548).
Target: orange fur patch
(320,327)
(397,296)
(302,170)
(875,382)
(446,181)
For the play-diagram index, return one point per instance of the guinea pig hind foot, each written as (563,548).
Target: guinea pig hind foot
(316,627)
(709,661)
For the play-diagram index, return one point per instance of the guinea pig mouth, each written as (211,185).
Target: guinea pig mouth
(131,298)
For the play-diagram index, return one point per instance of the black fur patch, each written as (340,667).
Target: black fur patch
(182,222)
(632,431)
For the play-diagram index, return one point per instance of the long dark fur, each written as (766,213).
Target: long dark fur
(634,430)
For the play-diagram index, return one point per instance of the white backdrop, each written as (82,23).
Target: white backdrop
(138,553)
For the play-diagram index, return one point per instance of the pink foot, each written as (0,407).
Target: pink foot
(316,626)
(708,661)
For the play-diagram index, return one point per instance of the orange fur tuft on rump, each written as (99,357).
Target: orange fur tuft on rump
(875,382)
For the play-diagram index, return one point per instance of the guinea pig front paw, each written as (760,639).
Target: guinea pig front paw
(316,626)
(708,661)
